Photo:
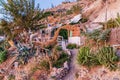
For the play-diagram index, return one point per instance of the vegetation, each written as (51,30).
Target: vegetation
(86,58)
(50,47)
(44,64)
(71,46)
(98,35)
(55,60)
(112,23)
(46,14)
(59,63)
(105,56)
(11,77)
(41,26)
(25,54)
(69,12)
(4,45)
(58,48)
(76,9)
(20,15)
(64,33)
(3,56)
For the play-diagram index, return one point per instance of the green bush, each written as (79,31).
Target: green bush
(76,9)
(3,56)
(44,64)
(11,77)
(113,23)
(105,56)
(63,57)
(71,46)
(105,35)
(49,47)
(46,14)
(58,48)
(98,35)
(86,58)
(4,45)
(42,26)
(93,35)
(69,12)
(1,49)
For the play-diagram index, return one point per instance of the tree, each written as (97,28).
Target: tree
(20,15)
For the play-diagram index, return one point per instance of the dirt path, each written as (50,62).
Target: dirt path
(73,67)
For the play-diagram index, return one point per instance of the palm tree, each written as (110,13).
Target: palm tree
(20,15)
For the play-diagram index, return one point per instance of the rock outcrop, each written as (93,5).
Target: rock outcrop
(102,10)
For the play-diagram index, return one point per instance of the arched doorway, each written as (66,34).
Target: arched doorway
(64,33)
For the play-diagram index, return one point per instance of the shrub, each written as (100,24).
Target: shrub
(69,12)
(71,46)
(76,9)
(59,63)
(3,56)
(1,49)
(46,14)
(112,23)
(44,64)
(41,26)
(49,47)
(99,35)
(58,48)
(86,58)
(94,35)
(11,77)
(4,45)
(105,56)
(105,35)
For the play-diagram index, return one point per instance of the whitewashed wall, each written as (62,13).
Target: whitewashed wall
(74,40)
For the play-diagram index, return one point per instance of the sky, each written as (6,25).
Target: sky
(44,4)
(47,3)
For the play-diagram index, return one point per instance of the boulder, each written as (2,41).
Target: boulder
(66,65)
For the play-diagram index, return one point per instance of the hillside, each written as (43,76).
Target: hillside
(72,41)
(96,10)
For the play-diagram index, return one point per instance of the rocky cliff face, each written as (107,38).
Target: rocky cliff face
(95,10)
(110,10)
(102,10)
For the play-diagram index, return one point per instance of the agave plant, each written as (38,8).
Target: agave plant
(107,57)
(86,58)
